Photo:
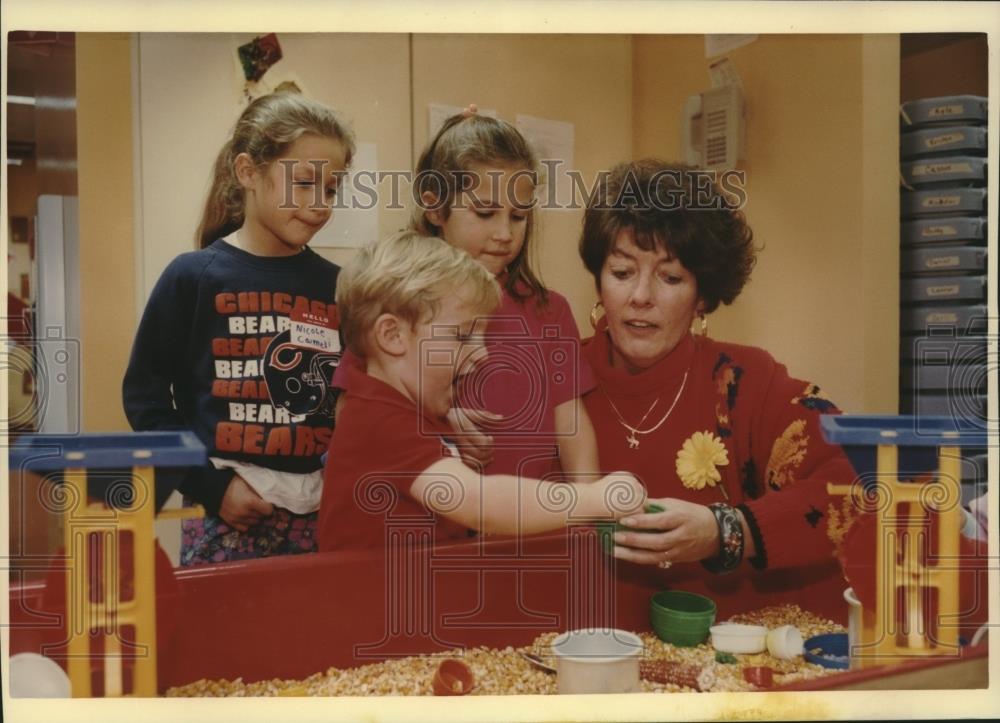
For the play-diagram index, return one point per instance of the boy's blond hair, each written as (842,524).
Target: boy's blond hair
(407,275)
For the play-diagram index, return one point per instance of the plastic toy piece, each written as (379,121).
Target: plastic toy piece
(903,624)
(92,538)
(453,677)
(108,526)
(759,675)
(829,650)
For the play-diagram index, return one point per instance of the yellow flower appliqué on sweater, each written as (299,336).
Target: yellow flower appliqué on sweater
(699,459)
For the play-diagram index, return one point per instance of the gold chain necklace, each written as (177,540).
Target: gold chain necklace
(631,438)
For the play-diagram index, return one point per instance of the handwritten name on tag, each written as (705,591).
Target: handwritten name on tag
(313,331)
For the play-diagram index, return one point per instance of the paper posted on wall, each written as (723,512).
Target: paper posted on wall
(553,143)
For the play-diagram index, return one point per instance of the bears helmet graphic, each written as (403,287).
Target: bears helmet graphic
(299,379)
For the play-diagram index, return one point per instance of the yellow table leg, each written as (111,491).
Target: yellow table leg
(144,575)
(77,591)
(949,531)
(902,552)
(914,577)
(107,617)
(887,461)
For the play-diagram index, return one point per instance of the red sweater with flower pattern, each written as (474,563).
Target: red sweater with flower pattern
(759,432)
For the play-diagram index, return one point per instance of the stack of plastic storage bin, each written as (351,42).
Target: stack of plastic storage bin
(943,314)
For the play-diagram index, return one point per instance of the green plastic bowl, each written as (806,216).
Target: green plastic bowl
(681,618)
(607,531)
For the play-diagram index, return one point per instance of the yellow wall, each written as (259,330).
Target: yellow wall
(822,187)
(879,252)
(107,261)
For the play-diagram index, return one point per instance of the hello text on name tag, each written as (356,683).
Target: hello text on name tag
(312,331)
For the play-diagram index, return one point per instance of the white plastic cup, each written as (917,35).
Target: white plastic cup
(597,660)
(785,642)
(739,638)
(854,625)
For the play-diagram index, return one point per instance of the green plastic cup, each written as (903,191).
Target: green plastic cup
(681,618)
(607,531)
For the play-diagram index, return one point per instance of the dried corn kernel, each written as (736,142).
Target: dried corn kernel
(505,672)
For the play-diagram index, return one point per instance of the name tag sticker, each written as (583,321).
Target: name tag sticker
(315,331)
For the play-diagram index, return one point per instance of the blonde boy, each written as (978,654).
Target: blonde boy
(408,308)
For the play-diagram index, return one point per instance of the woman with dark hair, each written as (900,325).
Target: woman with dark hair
(725,441)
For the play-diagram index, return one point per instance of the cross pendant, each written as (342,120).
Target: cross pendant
(633,441)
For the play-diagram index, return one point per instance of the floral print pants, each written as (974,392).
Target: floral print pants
(210,540)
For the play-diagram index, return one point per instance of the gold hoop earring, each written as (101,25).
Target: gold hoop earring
(595,316)
(702,325)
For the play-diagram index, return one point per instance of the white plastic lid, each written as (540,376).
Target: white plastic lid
(598,645)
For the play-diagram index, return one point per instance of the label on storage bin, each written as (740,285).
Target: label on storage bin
(942,262)
(944,139)
(933,169)
(949,290)
(939,111)
(941,202)
(935,231)
(942,317)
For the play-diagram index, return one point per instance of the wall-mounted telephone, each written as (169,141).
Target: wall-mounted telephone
(713,134)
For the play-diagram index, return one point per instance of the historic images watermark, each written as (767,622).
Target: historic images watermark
(667,190)
(45,369)
(435,591)
(545,365)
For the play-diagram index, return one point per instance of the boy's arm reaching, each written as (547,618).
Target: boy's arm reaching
(508,505)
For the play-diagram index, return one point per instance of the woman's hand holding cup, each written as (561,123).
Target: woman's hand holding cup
(682,532)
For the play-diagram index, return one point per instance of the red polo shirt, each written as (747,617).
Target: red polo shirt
(381,444)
